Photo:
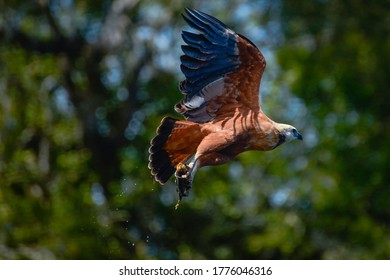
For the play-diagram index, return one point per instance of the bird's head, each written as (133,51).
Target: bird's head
(287,133)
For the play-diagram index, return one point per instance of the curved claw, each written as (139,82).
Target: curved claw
(183,181)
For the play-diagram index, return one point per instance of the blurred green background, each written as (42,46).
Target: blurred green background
(84,84)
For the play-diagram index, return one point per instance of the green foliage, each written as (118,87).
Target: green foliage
(339,72)
(84,86)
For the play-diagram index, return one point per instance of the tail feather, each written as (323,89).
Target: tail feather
(176,141)
(161,166)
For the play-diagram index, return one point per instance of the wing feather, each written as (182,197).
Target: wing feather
(197,54)
(221,68)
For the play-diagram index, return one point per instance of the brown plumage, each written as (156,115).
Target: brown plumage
(221,105)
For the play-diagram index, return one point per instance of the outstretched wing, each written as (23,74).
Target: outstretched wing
(222,68)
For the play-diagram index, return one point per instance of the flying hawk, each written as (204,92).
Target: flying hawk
(221,107)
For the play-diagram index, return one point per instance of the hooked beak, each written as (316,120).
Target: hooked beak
(298,135)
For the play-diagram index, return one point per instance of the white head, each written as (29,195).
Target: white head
(287,133)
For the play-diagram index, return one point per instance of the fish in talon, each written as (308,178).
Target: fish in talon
(183,181)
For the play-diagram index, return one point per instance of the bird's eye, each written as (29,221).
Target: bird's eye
(294,131)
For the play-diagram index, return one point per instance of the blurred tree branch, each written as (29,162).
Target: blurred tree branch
(79,56)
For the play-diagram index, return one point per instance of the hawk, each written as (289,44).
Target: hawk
(221,105)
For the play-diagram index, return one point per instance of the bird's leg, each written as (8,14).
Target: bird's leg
(184,176)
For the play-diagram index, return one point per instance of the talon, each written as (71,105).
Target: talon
(183,181)
(182,170)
